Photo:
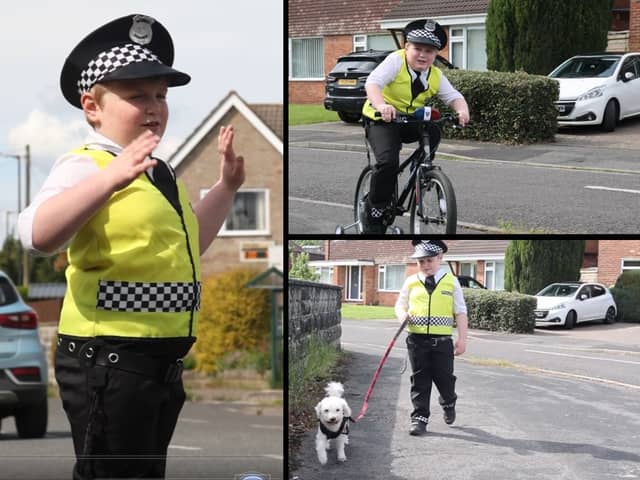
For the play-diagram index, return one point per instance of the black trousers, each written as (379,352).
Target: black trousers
(386,141)
(132,421)
(431,362)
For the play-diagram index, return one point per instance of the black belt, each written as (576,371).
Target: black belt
(98,352)
(432,339)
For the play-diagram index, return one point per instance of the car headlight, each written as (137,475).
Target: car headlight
(559,307)
(593,93)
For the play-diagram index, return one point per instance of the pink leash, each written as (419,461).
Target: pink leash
(365,405)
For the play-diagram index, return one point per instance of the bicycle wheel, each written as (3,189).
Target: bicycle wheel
(362,189)
(434,208)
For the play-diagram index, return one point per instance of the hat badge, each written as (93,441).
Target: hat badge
(429,25)
(140,31)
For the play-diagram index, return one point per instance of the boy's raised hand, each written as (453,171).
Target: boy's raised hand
(231,166)
(133,160)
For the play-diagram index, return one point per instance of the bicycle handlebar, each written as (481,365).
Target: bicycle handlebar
(418,117)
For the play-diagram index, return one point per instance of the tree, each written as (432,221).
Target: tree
(537,35)
(42,269)
(530,265)
(301,269)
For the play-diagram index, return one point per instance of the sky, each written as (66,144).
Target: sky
(224,46)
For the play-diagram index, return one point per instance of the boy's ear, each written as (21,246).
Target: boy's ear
(89,106)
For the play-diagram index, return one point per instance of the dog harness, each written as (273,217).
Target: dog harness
(344,429)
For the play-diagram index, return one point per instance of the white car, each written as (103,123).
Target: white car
(598,89)
(570,303)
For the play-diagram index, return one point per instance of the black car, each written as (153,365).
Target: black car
(344,89)
(469,282)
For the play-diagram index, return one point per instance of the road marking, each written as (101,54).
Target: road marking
(269,427)
(273,455)
(182,447)
(320,202)
(193,420)
(611,189)
(583,356)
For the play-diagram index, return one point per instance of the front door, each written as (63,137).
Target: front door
(353,283)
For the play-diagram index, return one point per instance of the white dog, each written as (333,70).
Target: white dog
(333,414)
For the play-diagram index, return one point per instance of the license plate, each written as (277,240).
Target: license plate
(350,82)
(560,108)
(7,347)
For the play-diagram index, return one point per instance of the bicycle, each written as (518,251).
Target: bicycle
(427,194)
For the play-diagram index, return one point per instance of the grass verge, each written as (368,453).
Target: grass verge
(306,114)
(367,312)
(307,378)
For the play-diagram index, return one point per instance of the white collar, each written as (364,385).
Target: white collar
(97,141)
(439,274)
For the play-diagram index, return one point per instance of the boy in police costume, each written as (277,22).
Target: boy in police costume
(431,300)
(134,242)
(403,82)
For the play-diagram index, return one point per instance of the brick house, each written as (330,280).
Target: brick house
(372,272)
(320,32)
(253,232)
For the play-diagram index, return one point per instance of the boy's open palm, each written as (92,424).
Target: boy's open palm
(132,161)
(232,166)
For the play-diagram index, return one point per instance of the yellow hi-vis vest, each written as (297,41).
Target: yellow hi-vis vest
(398,92)
(134,268)
(431,314)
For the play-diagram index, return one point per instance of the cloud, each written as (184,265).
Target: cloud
(47,135)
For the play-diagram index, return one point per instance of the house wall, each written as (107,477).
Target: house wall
(48,310)
(610,254)
(263,169)
(634,25)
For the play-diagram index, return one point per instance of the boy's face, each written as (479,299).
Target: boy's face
(419,56)
(129,107)
(430,265)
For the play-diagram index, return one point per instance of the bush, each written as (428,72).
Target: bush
(506,107)
(500,311)
(233,318)
(626,293)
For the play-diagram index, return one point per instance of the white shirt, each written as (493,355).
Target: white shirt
(69,170)
(402,304)
(388,69)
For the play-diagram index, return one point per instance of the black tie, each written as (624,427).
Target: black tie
(430,284)
(416,86)
(166,183)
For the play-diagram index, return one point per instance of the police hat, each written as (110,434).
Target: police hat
(135,46)
(428,248)
(427,32)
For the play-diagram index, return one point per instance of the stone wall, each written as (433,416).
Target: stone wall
(314,309)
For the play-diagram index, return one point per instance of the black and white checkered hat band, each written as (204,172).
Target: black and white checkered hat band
(148,297)
(426,248)
(433,321)
(418,35)
(111,60)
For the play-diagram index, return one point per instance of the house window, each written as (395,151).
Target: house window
(468,269)
(325,274)
(494,275)
(467,47)
(391,277)
(249,213)
(359,43)
(306,59)
(630,264)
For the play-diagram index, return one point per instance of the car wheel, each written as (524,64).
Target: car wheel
(349,117)
(611,315)
(570,321)
(31,420)
(610,117)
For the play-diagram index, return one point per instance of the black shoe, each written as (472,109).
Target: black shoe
(372,220)
(450,415)
(418,428)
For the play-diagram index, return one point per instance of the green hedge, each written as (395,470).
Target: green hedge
(506,107)
(626,293)
(500,311)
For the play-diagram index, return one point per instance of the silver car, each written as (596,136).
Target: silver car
(23,365)
(570,303)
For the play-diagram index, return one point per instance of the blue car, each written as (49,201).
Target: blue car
(23,365)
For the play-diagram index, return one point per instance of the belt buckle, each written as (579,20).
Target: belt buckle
(174,372)
(434,342)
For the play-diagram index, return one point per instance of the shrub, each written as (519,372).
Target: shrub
(233,318)
(626,293)
(500,311)
(506,107)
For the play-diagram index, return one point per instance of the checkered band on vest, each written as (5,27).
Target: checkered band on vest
(416,35)
(424,321)
(148,297)
(110,60)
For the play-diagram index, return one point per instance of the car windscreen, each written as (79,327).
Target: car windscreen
(587,67)
(347,66)
(558,290)
(7,292)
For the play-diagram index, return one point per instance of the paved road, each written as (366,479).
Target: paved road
(585,182)
(552,405)
(212,441)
